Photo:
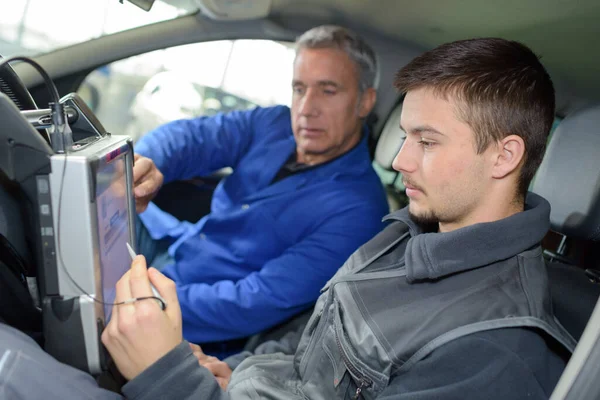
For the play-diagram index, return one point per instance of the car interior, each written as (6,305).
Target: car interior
(564,34)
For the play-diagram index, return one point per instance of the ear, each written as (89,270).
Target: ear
(367,101)
(508,157)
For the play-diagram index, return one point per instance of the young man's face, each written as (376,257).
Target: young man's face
(326,105)
(446,180)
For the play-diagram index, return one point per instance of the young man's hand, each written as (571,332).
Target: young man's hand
(140,333)
(147,180)
(219,369)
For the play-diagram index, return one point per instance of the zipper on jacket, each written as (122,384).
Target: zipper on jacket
(364,381)
(358,391)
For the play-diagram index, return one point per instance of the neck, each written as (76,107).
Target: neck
(495,208)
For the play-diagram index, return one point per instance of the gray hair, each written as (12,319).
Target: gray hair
(336,37)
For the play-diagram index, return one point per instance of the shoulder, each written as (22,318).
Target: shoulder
(358,192)
(268,124)
(274,114)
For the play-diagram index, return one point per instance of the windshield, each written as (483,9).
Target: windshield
(30,27)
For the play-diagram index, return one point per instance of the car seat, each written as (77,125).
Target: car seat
(17,307)
(388,145)
(569,178)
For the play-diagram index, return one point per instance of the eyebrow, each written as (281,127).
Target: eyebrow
(320,83)
(422,129)
(329,83)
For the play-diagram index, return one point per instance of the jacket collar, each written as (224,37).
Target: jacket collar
(354,162)
(434,255)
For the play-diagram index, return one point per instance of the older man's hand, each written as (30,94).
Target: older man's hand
(147,180)
(140,333)
(219,369)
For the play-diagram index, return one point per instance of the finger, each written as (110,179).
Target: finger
(106,333)
(141,205)
(110,335)
(222,382)
(115,312)
(219,368)
(142,166)
(148,185)
(205,360)
(138,281)
(123,292)
(196,348)
(166,288)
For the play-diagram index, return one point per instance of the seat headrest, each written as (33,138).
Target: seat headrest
(569,177)
(390,140)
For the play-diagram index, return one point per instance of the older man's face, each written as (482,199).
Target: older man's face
(326,105)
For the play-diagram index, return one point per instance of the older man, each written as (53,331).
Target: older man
(303,195)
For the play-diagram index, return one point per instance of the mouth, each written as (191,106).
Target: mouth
(411,189)
(311,132)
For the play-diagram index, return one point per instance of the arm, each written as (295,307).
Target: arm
(188,148)
(175,376)
(145,341)
(27,372)
(286,345)
(282,288)
(504,364)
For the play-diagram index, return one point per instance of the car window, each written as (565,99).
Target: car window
(137,94)
(29,27)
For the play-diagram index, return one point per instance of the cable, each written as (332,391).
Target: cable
(61,135)
(61,129)
(58,244)
(47,80)
(64,268)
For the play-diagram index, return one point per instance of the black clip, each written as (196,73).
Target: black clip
(593,275)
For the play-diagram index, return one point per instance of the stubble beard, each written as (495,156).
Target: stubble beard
(427,220)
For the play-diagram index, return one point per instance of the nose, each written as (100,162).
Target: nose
(309,103)
(405,160)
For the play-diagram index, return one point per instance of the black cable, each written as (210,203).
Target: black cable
(60,127)
(47,80)
(62,264)
(58,245)
(59,122)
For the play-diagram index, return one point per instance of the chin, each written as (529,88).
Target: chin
(422,217)
(313,150)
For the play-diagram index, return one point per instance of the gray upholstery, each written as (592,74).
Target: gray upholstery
(569,177)
(390,140)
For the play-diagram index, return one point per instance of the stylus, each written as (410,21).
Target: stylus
(154,291)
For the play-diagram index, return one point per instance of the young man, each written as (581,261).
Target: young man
(302,197)
(449,301)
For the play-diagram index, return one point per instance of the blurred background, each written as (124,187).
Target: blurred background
(135,95)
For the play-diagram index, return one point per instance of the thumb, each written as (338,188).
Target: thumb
(166,288)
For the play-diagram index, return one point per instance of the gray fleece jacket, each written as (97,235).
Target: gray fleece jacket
(411,315)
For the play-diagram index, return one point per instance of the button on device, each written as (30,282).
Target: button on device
(43,186)
(245,206)
(45,209)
